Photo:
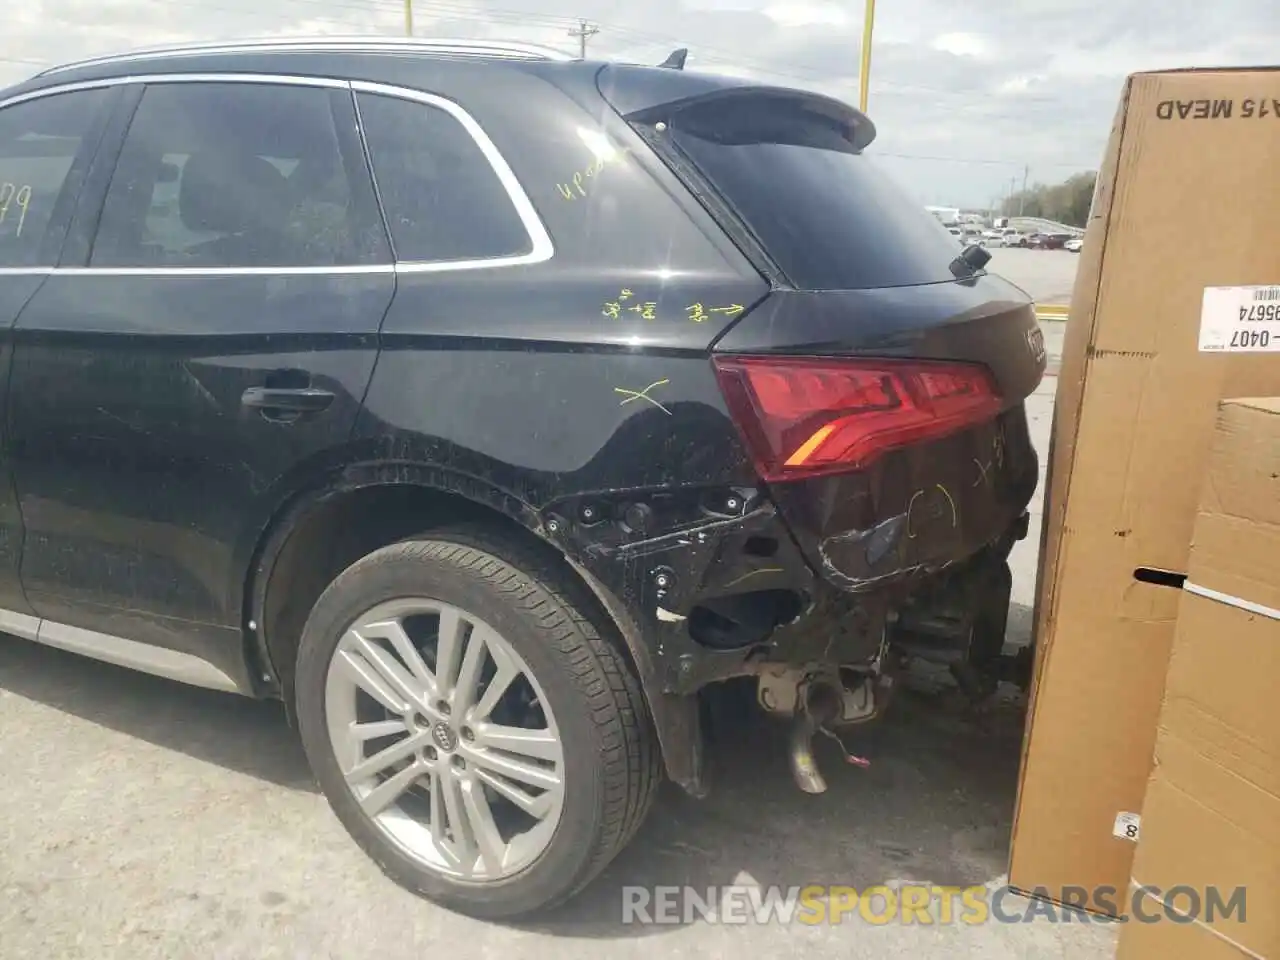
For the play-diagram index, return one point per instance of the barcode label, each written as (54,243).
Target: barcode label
(1240,319)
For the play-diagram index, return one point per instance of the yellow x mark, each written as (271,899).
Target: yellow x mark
(643,395)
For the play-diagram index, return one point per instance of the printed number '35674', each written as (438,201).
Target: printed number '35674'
(1260,312)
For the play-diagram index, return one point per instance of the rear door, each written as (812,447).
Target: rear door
(199,352)
(46,144)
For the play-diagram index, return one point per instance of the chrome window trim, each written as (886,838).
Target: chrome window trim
(353,43)
(283,79)
(542,249)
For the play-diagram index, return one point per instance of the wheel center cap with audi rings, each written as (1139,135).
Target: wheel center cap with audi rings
(444,737)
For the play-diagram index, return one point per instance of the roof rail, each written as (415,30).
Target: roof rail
(499,49)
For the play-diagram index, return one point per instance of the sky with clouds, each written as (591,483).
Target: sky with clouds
(966,95)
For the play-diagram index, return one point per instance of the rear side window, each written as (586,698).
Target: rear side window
(441,195)
(826,215)
(232,175)
(39,142)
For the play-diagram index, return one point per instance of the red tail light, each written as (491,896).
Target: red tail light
(802,416)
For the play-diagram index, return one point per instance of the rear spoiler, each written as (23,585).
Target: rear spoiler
(646,95)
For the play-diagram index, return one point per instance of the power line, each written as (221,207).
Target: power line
(459,11)
(703,52)
(580,28)
(706,52)
(1003,163)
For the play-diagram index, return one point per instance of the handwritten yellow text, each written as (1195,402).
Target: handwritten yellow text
(698,313)
(604,153)
(646,309)
(15,193)
(577,185)
(627,302)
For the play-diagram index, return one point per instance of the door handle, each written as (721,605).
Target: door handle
(286,400)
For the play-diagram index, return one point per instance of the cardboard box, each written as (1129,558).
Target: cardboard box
(1136,401)
(1211,819)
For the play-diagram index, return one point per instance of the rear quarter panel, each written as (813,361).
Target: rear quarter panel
(578,391)
(586,372)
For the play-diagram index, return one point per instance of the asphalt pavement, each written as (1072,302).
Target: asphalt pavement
(143,819)
(1047,275)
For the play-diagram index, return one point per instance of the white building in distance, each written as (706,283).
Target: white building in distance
(950,216)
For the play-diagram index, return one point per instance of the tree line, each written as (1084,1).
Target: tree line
(1067,202)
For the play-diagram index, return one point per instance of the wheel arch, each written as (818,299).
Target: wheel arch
(361,507)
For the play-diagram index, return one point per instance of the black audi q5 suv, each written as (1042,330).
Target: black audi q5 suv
(487,406)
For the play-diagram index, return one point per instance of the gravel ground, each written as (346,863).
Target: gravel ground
(144,819)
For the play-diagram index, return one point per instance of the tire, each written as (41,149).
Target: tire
(610,768)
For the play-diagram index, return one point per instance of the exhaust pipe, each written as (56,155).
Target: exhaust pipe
(820,703)
(804,769)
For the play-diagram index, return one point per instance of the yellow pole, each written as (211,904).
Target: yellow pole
(408,18)
(864,79)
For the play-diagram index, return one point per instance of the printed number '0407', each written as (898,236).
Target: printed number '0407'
(15,194)
(1245,339)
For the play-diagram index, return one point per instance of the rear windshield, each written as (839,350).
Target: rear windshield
(826,214)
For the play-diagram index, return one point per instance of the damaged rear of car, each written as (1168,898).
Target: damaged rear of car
(878,390)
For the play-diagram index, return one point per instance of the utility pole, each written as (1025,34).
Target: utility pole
(864,72)
(584,32)
(408,18)
(1022,197)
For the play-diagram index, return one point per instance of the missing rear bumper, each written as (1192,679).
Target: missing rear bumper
(706,593)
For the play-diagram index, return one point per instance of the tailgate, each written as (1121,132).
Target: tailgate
(922,506)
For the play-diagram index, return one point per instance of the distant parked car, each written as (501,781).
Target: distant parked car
(1074,244)
(1048,241)
(1014,239)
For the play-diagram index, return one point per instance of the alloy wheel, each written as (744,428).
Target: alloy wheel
(445,739)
